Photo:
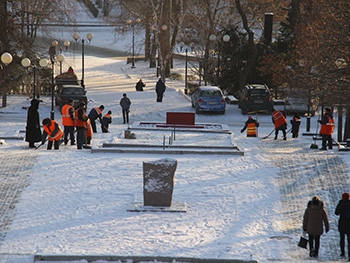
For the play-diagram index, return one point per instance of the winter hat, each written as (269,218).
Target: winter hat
(250,117)
(327,109)
(345,196)
(315,200)
(46,121)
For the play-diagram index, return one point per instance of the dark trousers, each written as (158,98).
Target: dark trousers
(69,130)
(314,247)
(327,139)
(125,115)
(159,97)
(93,125)
(55,143)
(284,134)
(342,243)
(80,137)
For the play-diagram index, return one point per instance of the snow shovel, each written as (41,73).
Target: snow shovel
(268,135)
(339,145)
(41,144)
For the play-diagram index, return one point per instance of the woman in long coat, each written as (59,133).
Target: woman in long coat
(315,217)
(33,131)
(343,211)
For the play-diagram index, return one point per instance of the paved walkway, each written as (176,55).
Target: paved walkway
(15,169)
(304,173)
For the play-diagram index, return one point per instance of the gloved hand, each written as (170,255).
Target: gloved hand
(327,230)
(242,131)
(319,121)
(42,142)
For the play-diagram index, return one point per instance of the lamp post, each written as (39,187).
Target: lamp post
(6,58)
(89,37)
(214,38)
(60,59)
(132,23)
(27,63)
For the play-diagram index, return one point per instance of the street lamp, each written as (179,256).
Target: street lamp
(27,63)
(6,58)
(132,23)
(60,59)
(214,38)
(89,37)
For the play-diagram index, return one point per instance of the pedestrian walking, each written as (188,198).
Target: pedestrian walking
(106,120)
(251,126)
(33,131)
(68,122)
(53,131)
(295,122)
(94,114)
(160,89)
(280,122)
(315,217)
(327,128)
(343,211)
(80,123)
(125,104)
(139,85)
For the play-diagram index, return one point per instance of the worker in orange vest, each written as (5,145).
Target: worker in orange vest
(94,114)
(89,132)
(327,128)
(68,122)
(280,122)
(54,131)
(251,126)
(80,123)
(106,120)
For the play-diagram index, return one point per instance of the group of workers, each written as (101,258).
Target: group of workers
(74,120)
(280,124)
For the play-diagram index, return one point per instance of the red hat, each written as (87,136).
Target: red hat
(345,196)
(250,117)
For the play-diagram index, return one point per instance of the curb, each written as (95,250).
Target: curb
(92,258)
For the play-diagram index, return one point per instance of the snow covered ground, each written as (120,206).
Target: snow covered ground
(249,207)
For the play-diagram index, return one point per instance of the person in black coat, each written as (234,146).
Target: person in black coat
(295,122)
(343,211)
(160,89)
(139,85)
(33,131)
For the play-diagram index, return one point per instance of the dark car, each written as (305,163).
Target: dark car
(208,99)
(66,92)
(255,98)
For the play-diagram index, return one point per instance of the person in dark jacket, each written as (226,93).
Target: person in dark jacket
(252,127)
(343,211)
(160,89)
(125,104)
(33,131)
(94,114)
(106,120)
(315,217)
(139,85)
(295,122)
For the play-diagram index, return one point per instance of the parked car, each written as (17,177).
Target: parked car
(66,92)
(255,98)
(208,99)
(297,103)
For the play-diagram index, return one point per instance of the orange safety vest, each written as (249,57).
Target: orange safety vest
(328,128)
(66,119)
(49,130)
(251,130)
(278,118)
(88,129)
(77,122)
